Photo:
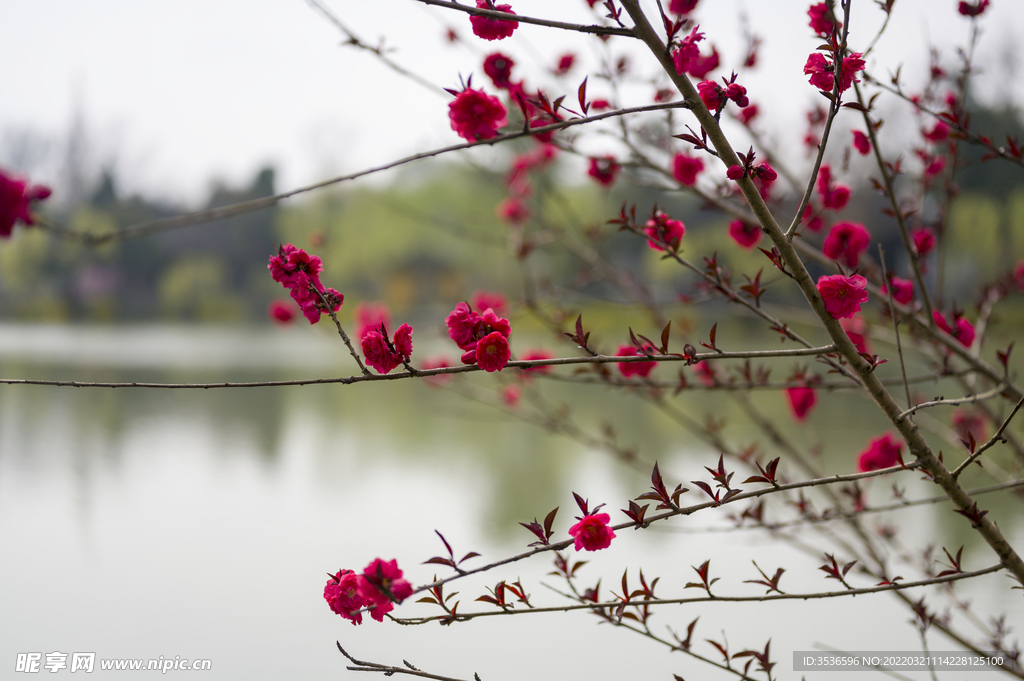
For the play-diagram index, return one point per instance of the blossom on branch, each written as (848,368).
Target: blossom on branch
(843,294)
(924,240)
(665,230)
(822,71)
(493,29)
(476,115)
(381,585)
(846,242)
(902,290)
(592,532)
(687,6)
(343,596)
(961,329)
(688,51)
(298,271)
(16,197)
(383,355)
(484,337)
(882,452)
(492,352)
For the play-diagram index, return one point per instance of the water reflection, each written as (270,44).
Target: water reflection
(142,523)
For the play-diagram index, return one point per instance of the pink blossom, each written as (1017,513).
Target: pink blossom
(746,234)
(734,172)
(833,196)
(685,169)
(513,211)
(937,133)
(883,452)
(738,94)
(510,395)
(371,316)
(377,353)
(604,169)
(476,115)
(627,369)
(964,331)
(16,197)
(924,240)
(846,241)
(565,64)
(666,230)
(712,94)
(600,105)
(902,290)
(933,165)
(703,64)
(857,330)
(382,585)
(299,272)
(342,594)
(281,312)
(861,143)
(498,68)
(462,323)
(822,71)
(821,22)
(969,9)
(763,176)
(814,222)
(482,300)
(493,29)
(384,356)
(748,114)
(592,532)
(801,401)
(492,352)
(843,295)
(686,6)
(687,51)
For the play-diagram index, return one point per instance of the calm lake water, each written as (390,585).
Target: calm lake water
(200,524)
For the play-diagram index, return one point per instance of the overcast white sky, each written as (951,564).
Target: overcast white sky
(177,94)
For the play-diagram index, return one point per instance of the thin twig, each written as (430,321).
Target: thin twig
(494,14)
(991,441)
(895,328)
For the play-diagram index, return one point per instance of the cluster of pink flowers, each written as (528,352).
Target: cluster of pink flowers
(16,197)
(379,587)
(715,96)
(843,294)
(846,242)
(822,71)
(476,115)
(493,29)
(298,271)
(383,354)
(762,176)
(664,231)
(882,452)
(483,337)
(592,532)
